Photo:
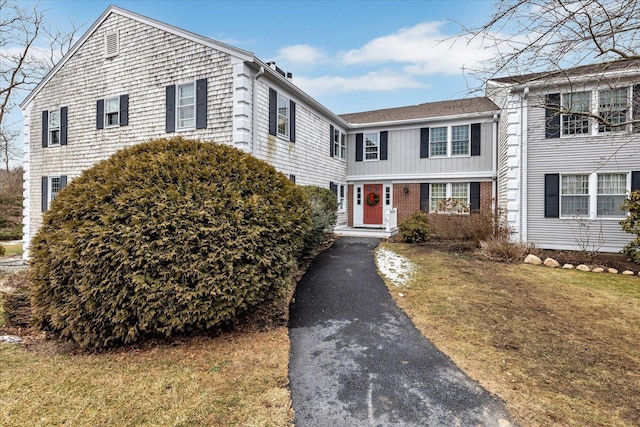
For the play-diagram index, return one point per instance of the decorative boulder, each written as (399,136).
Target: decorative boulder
(598,270)
(550,262)
(583,267)
(568,266)
(628,273)
(612,271)
(533,260)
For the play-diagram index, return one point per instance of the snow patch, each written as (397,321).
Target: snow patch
(395,268)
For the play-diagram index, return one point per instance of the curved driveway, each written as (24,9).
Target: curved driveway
(357,360)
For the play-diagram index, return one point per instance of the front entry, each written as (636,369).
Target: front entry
(372,212)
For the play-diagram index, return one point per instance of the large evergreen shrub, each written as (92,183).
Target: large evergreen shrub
(324,205)
(631,224)
(415,229)
(164,237)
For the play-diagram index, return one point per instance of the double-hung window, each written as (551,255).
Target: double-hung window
(54,127)
(186,106)
(438,196)
(460,140)
(371,146)
(339,144)
(460,196)
(449,197)
(612,189)
(573,119)
(341,197)
(112,112)
(283,116)
(574,196)
(613,108)
(438,142)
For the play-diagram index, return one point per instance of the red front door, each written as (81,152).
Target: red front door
(372,204)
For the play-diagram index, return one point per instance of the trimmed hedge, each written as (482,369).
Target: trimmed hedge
(415,229)
(324,205)
(165,237)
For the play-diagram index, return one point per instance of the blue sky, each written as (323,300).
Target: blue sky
(350,55)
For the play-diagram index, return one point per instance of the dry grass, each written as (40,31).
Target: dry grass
(560,347)
(234,379)
(13,249)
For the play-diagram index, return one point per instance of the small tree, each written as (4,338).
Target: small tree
(631,224)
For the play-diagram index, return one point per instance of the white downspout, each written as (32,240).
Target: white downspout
(494,166)
(524,180)
(254,121)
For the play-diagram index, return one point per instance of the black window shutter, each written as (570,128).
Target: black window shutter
(424,143)
(359,146)
(273,112)
(63,181)
(552,195)
(63,125)
(552,116)
(292,178)
(476,137)
(100,114)
(170,123)
(635,107)
(124,110)
(201,104)
(45,129)
(45,192)
(424,197)
(292,121)
(474,196)
(384,136)
(334,188)
(331,130)
(635,180)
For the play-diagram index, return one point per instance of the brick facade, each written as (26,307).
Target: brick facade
(407,202)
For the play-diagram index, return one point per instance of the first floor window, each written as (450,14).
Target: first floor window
(341,197)
(460,196)
(186,106)
(460,140)
(387,196)
(51,186)
(112,112)
(371,146)
(54,187)
(283,116)
(612,189)
(574,200)
(438,143)
(54,127)
(438,197)
(573,122)
(359,196)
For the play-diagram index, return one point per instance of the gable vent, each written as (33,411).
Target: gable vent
(111,44)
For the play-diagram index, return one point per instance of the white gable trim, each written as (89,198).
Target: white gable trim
(222,47)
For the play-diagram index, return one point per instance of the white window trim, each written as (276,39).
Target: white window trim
(627,128)
(593,196)
(106,121)
(449,194)
(449,142)
(339,145)
(50,194)
(364,148)
(50,128)
(178,107)
(287,117)
(341,195)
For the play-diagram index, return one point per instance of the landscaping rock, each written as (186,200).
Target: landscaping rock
(598,270)
(583,267)
(533,260)
(568,266)
(612,270)
(628,273)
(550,262)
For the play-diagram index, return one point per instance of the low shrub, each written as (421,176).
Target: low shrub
(324,205)
(500,248)
(15,302)
(415,229)
(163,238)
(455,222)
(631,224)
(2,250)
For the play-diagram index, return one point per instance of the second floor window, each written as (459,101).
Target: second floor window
(283,116)
(339,144)
(438,143)
(371,146)
(54,127)
(460,140)
(186,106)
(576,124)
(613,107)
(112,112)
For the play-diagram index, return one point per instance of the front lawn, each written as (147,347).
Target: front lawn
(560,347)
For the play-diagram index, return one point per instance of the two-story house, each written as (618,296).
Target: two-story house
(412,158)
(130,79)
(563,173)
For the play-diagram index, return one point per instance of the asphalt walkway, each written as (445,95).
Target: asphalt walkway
(357,360)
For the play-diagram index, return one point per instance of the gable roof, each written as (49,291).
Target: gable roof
(456,107)
(618,67)
(231,50)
